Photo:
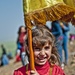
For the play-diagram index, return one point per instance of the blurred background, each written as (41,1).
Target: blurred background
(11,17)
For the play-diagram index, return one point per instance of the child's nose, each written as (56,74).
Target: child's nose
(42,52)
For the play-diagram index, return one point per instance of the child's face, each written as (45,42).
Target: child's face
(42,55)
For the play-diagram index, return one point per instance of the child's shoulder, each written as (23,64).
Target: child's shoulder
(58,70)
(58,67)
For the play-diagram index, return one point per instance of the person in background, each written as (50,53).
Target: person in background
(10,55)
(45,54)
(22,34)
(71,38)
(4,58)
(65,29)
(56,30)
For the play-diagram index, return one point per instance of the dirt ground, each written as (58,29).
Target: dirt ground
(69,69)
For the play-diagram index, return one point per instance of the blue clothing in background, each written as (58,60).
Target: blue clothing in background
(57,32)
(5,60)
(65,41)
(19,45)
(4,57)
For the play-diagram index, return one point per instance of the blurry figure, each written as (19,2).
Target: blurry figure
(18,52)
(71,38)
(18,58)
(0,61)
(65,29)
(22,35)
(10,55)
(58,33)
(4,58)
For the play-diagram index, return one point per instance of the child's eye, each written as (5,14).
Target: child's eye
(37,49)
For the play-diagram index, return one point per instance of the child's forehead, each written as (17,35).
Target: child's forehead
(42,45)
(42,40)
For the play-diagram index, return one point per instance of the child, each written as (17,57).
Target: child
(45,54)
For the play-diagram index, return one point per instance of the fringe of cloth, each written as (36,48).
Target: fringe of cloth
(73,20)
(59,11)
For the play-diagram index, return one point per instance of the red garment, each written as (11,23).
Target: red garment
(18,58)
(42,70)
(21,40)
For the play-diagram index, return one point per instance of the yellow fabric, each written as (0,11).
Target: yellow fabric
(70,2)
(59,11)
(32,5)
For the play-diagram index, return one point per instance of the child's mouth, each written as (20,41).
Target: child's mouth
(42,59)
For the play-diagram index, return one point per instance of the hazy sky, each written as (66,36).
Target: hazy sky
(11,17)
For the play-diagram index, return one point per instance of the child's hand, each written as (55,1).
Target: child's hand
(32,72)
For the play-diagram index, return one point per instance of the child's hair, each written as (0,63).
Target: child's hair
(42,35)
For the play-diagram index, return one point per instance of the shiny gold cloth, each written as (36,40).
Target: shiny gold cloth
(40,11)
(32,5)
(70,2)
